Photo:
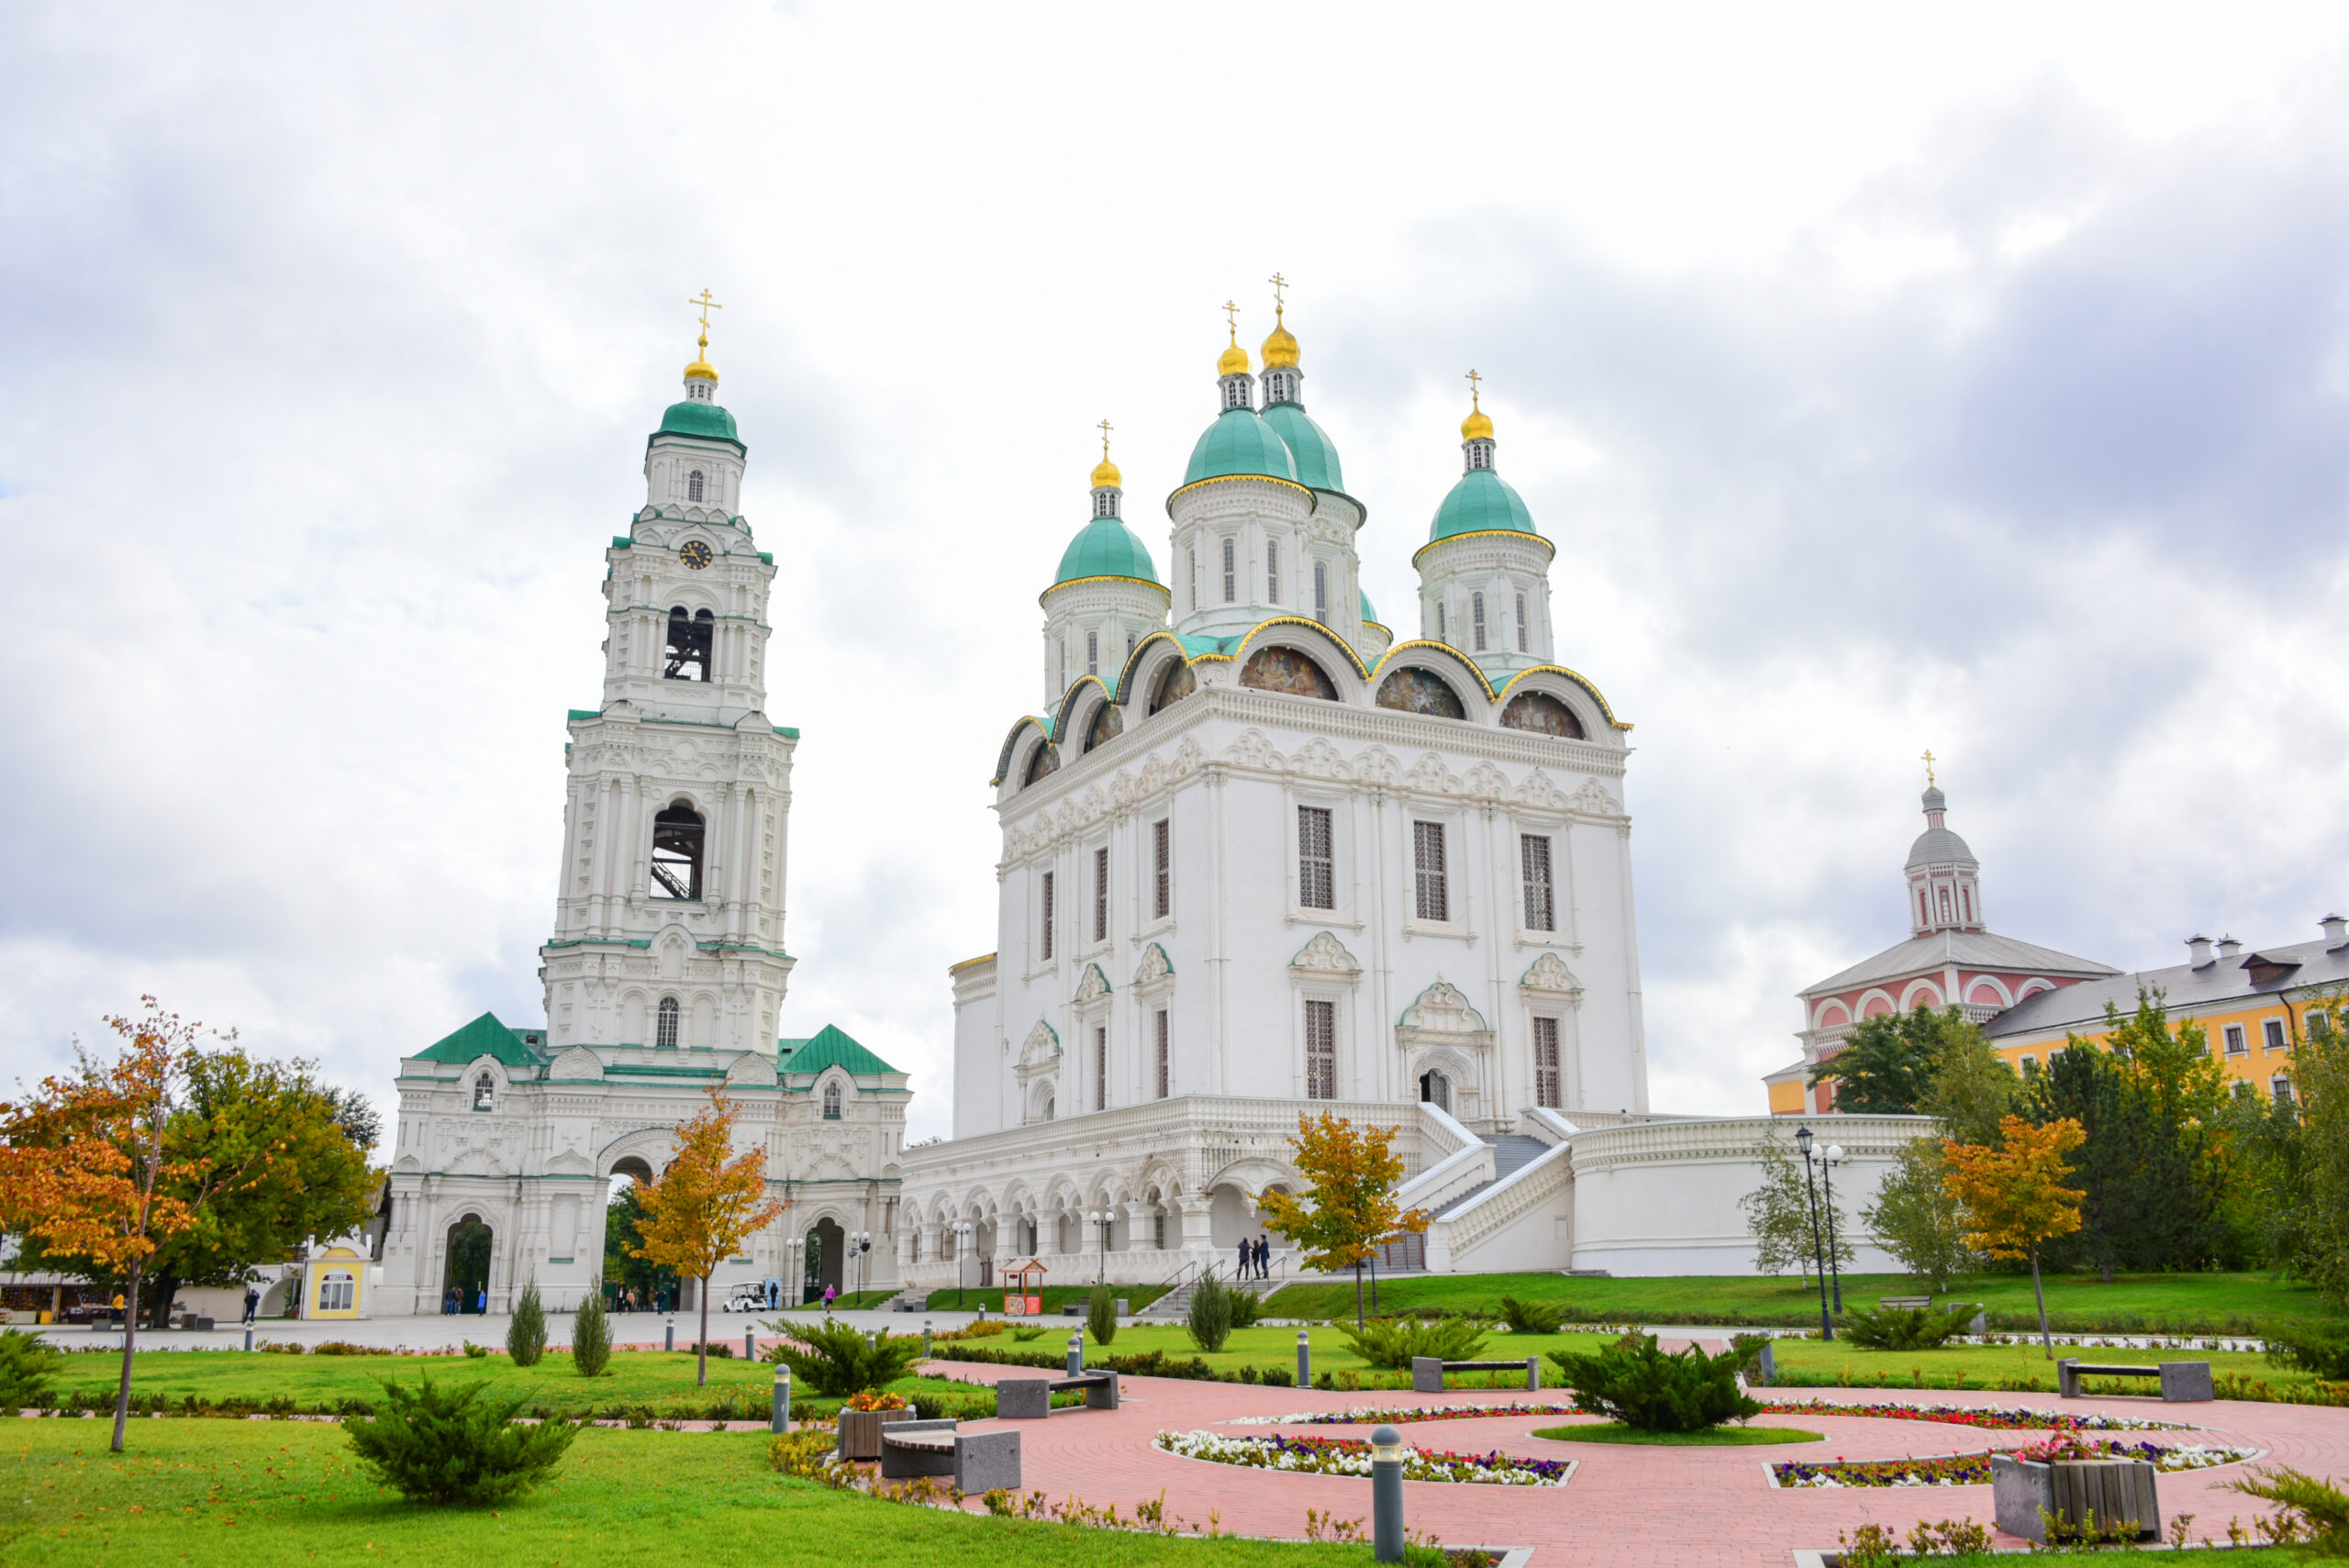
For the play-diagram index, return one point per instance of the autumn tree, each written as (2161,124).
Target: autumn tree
(2014,1195)
(88,1167)
(705,1205)
(1789,1221)
(1348,1205)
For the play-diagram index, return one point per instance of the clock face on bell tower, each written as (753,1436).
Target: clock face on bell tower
(694,554)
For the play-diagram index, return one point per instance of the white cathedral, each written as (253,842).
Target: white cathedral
(1260,861)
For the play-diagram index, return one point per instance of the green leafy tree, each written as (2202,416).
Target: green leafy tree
(28,1366)
(1349,1205)
(1779,1215)
(1916,1220)
(622,1267)
(1885,1066)
(2321,1078)
(526,1332)
(1970,1090)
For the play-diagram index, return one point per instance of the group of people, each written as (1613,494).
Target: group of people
(626,1299)
(454,1300)
(1255,1259)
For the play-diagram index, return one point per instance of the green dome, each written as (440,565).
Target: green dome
(1239,443)
(1482,501)
(1368,614)
(1317,457)
(1105,548)
(706,420)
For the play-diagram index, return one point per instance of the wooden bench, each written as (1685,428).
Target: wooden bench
(979,1462)
(1030,1398)
(1428,1372)
(2182,1382)
(1905,1303)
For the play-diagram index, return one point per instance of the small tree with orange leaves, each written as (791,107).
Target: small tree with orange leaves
(83,1167)
(1353,1171)
(2014,1195)
(705,1205)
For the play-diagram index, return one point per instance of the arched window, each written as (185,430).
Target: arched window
(1041,761)
(832,1102)
(1235,396)
(689,642)
(485,1093)
(1093,652)
(693,486)
(1435,1089)
(1287,670)
(338,1291)
(1273,571)
(676,852)
(1321,591)
(1174,683)
(1542,713)
(1105,504)
(664,1032)
(1409,690)
(1230,571)
(1476,619)
(1521,634)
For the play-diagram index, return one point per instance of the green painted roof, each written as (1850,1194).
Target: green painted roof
(1314,455)
(1239,443)
(706,420)
(1105,548)
(1368,614)
(828,1048)
(483,1037)
(1482,501)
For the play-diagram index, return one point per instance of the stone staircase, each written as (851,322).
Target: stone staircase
(1512,1153)
(1176,1305)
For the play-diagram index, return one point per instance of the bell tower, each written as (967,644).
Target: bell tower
(669,911)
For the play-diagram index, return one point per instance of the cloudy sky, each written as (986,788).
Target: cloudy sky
(1971,377)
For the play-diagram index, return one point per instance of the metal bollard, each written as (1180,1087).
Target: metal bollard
(1304,1361)
(669,1339)
(779,1421)
(1075,1353)
(249,1336)
(1386,1495)
(1533,1375)
(925,1337)
(750,1344)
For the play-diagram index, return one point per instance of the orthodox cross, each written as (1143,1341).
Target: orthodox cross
(707,305)
(1278,283)
(1473,379)
(1231,310)
(1104,441)
(1927,757)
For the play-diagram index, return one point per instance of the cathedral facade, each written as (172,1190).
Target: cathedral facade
(665,970)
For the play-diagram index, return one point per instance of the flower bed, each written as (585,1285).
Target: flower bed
(2011,1418)
(1343,1456)
(1973,1468)
(1401,1417)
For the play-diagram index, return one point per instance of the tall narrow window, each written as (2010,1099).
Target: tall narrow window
(1101,1067)
(1273,571)
(1433,897)
(485,1093)
(687,657)
(1321,1051)
(1158,1231)
(664,1032)
(1101,896)
(1092,652)
(1321,591)
(2236,1046)
(1316,878)
(1044,941)
(1060,649)
(1442,631)
(693,486)
(1162,857)
(1522,645)
(1194,577)
(2274,1029)
(1162,1067)
(1476,619)
(832,1102)
(1546,1085)
(1541,905)
(676,852)
(1230,571)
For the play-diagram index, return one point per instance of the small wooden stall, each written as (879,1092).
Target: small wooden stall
(1023,1294)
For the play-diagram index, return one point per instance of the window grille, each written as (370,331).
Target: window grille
(2235,1043)
(1163,1067)
(1476,619)
(484,1092)
(1101,1067)
(1194,577)
(1105,503)
(1162,853)
(2274,1028)
(1321,1051)
(1273,571)
(1321,591)
(1101,896)
(664,1032)
(1316,881)
(1158,1231)
(1235,391)
(1433,900)
(1548,1089)
(1092,652)
(1541,905)
(832,1102)
(1045,941)
(1944,892)
(1522,646)
(1442,632)
(1230,571)
(693,486)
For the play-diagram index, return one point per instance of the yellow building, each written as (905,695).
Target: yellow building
(335,1283)
(2254,1006)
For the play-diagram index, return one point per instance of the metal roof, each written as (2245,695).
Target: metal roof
(1967,949)
(2184,988)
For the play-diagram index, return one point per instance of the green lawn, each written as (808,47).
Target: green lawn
(2020,1367)
(1055,1298)
(232,1493)
(2237,1303)
(1276,1348)
(1710,1437)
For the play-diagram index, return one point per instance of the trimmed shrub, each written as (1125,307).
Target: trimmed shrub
(1101,1314)
(591,1333)
(26,1364)
(1530,1317)
(1392,1342)
(2319,1348)
(444,1445)
(1247,1307)
(2315,1513)
(835,1360)
(1209,1319)
(1632,1381)
(526,1332)
(1901,1327)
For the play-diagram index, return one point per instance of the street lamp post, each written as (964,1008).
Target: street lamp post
(1802,1143)
(859,1242)
(1827,1178)
(792,1248)
(962,1249)
(1101,1263)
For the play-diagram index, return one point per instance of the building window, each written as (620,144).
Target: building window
(1944,892)
(832,1102)
(1965,904)
(693,486)
(2281,1088)
(665,1026)
(1435,1089)
(1321,591)
(1101,896)
(1161,1046)
(2236,1045)
(676,852)
(1235,391)
(1045,948)
(1162,855)
(2274,1029)
(1321,1051)
(2320,1024)
(1477,620)
(2030,1064)
(1101,1067)
(1431,898)
(1194,577)
(1523,646)
(1316,881)
(1092,652)
(339,1290)
(688,655)
(1230,571)
(1442,628)
(1273,571)
(1548,1085)
(1158,1231)
(1541,905)
(485,1093)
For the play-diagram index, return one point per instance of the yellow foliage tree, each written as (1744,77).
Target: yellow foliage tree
(1350,1206)
(705,1205)
(2014,1195)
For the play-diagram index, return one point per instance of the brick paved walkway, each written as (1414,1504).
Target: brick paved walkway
(1625,1507)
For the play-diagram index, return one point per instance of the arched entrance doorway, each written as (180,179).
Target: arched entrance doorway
(636,1284)
(1435,1089)
(467,1279)
(826,1250)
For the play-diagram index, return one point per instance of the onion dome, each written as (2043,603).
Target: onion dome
(1937,846)
(1478,425)
(1280,349)
(1239,443)
(1105,548)
(1234,359)
(1369,616)
(1309,444)
(1482,501)
(706,420)
(1105,475)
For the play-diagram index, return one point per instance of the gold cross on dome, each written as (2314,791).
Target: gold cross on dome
(707,305)
(1231,310)
(1278,283)
(1927,757)
(1104,441)
(1473,379)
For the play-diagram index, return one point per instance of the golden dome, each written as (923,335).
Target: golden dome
(701,365)
(1280,349)
(1105,475)
(1234,360)
(1478,427)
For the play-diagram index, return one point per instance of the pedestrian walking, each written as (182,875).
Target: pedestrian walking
(252,1303)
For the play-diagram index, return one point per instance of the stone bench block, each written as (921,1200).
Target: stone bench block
(1023,1398)
(2187,1383)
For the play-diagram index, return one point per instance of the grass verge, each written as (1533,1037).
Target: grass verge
(2020,1368)
(1712,1437)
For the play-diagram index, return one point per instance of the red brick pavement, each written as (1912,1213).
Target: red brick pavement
(1625,1507)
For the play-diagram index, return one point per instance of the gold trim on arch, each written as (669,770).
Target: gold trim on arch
(1389,658)
(1484,533)
(1578,678)
(1331,632)
(1104,577)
